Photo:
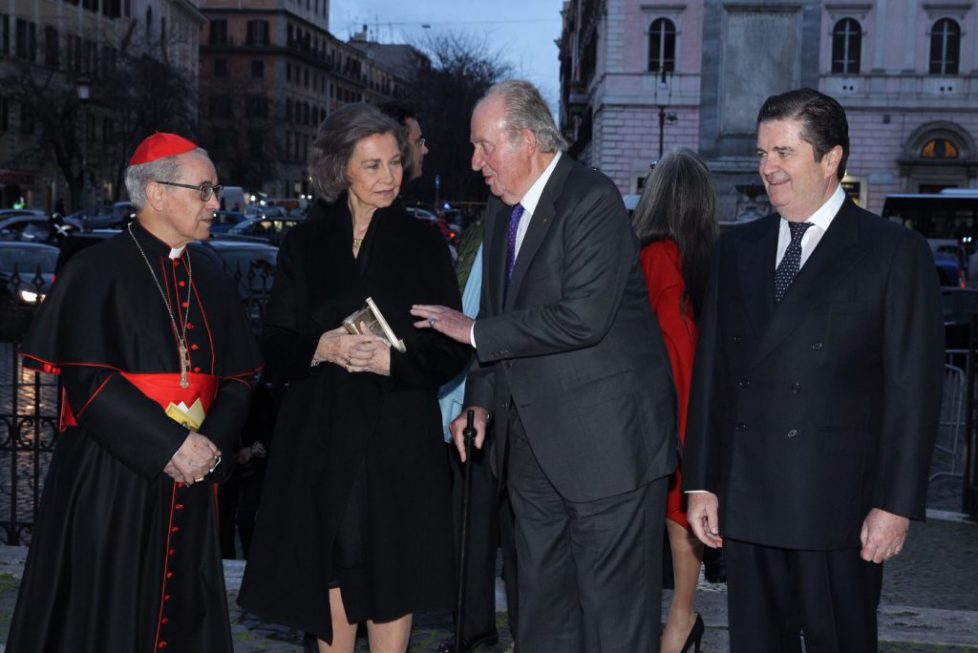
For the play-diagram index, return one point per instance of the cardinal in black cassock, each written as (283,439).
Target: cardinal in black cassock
(156,358)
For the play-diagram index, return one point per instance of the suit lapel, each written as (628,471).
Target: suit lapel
(755,270)
(536,233)
(835,254)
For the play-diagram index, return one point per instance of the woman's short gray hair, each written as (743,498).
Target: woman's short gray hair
(137,176)
(338,136)
(525,108)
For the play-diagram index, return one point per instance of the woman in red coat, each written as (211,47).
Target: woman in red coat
(676,224)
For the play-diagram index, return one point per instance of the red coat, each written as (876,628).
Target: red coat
(663,275)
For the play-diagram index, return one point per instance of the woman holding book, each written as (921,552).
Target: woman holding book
(355,522)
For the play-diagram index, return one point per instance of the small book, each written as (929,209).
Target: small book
(191,417)
(373,319)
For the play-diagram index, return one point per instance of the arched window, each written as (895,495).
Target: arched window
(662,45)
(945,47)
(847,40)
(939,148)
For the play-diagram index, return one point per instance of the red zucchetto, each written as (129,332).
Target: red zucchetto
(160,146)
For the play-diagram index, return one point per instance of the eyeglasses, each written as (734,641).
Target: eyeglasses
(206,189)
(421,142)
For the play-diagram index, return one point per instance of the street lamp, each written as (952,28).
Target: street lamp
(664,84)
(84,88)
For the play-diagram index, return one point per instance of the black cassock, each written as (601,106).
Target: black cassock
(123,559)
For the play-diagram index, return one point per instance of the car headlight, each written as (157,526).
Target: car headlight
(31,297)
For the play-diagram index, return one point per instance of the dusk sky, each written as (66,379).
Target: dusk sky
(521,31)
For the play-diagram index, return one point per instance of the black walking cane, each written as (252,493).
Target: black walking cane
(467,435)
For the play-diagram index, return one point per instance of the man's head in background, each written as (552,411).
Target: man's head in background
(404,114)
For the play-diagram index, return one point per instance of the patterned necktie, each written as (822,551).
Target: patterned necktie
(514,225)
(788,268)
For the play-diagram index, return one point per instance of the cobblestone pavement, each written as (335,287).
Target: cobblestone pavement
(929,602)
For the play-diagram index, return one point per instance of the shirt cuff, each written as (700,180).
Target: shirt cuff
(472,335)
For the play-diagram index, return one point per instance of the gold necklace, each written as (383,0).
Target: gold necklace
(180,333)
(357,242)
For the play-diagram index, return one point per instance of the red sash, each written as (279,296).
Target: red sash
(163,389)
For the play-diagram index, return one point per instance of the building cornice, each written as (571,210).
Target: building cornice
(848,7)
(936,9)
(762,7)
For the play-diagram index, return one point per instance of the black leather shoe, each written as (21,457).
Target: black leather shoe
(488,638)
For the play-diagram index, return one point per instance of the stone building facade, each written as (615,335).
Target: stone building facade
(694,74)
(64,44)
(270,72)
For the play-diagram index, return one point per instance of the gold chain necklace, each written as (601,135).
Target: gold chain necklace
(180,333)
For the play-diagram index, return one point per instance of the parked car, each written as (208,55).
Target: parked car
(26,271)
(434,220)
(271,230)
(35,226)
(225,221)
(106,216)
(17,213)
(264,211)
(244,260)
(250,263)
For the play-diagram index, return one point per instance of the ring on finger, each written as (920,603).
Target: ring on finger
(431,321)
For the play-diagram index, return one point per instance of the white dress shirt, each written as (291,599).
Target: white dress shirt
(529,203)
(820,220)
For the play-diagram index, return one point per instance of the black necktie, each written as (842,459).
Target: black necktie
(790,264)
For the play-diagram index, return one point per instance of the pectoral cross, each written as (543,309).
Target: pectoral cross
(184,364)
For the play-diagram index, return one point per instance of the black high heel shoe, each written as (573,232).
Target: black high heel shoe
(695,635)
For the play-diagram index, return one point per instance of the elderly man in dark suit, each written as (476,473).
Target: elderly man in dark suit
(575,372)
(815,395)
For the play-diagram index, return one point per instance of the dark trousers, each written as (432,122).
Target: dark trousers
(774,595)
(490,522)
(590,574)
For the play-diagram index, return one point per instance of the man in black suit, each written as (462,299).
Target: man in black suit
(575,372)
(815,395)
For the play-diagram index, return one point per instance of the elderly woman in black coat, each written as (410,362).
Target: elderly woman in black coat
(354,523)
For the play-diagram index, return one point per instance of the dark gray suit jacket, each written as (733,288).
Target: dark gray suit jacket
(575,346)
(805,416)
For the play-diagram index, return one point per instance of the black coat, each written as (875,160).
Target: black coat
(805,416)
(334,426)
